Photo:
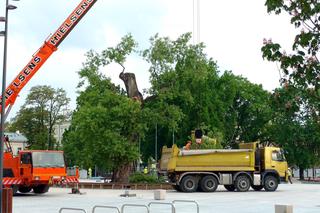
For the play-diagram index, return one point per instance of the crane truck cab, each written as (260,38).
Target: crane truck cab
(34,170)
(236,169)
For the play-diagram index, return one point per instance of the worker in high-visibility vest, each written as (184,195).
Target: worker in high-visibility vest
(90,172)
(145,170)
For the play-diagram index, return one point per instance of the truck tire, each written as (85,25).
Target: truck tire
(230,188)
(189,183)
(270,183)
(242,183)
(24,189)
(209,183)
(257,187)
(40,189)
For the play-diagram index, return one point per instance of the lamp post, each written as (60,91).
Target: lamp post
(3,98)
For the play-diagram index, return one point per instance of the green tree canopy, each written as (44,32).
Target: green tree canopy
(188,92)
(44,107)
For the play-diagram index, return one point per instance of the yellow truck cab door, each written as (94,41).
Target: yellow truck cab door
(278,162)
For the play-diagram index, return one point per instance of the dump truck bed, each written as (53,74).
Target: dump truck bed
(175,160)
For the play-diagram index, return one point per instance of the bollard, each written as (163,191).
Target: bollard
(7,200)
(283,208)
(160,194)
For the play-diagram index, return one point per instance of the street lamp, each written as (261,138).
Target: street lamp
(3,98)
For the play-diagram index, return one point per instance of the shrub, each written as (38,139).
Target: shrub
(143,178)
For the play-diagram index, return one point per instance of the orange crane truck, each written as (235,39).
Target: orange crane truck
(38,169)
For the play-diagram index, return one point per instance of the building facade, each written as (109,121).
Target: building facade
(59,129)
(17,142)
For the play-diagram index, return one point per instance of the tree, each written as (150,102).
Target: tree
(44,107)
(105,124)
(300,68)
(190,84)
(182,79)
(247,111)
(298,100)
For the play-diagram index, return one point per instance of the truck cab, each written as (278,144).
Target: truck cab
(274,160)
(35,169)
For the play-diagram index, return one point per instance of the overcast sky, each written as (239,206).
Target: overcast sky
(232,31)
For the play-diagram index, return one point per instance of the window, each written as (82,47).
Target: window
(278,155)
(25,158)
(48,159)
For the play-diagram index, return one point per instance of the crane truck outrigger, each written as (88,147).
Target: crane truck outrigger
(37,169)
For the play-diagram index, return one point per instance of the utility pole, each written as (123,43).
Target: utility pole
(3,98)
(156,144)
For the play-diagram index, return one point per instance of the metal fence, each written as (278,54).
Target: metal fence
(127,206)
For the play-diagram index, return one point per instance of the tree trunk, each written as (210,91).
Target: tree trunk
(50,143)
(122,173)
(129,80)
(301,173)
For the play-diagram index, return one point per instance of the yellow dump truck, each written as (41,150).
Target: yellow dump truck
(236,169)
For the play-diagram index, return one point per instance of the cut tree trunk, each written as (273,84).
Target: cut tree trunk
(121,174)
(129,80)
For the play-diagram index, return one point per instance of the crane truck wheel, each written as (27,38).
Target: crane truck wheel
(257,188)
(24,189)
(189,183)
(209,183)
(270,183)
(40,189)
(242,183)
(230,188)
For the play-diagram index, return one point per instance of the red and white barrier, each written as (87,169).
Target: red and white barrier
(11,181)
(71,180)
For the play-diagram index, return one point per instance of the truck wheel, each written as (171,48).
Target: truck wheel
(230,188)
(257,187)
(24,189)
(270,183)
(242,183)
(189,184)
(40,189)
(209,183)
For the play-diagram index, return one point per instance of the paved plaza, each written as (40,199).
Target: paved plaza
(303,197)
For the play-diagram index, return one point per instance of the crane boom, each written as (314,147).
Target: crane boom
(40,57)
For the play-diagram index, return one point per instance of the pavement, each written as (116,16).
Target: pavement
(303,197)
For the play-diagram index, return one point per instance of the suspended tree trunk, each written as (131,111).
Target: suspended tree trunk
(129,80)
